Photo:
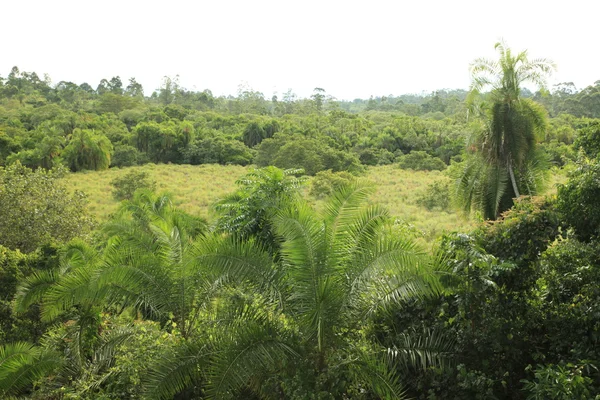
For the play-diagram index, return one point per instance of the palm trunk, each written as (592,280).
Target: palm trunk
(512,179)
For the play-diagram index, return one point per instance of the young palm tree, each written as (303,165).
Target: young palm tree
(303,314)
(21,364)
(505,151)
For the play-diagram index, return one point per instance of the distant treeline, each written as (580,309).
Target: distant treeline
(116,125)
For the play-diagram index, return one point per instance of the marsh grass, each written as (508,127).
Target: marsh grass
(196,187)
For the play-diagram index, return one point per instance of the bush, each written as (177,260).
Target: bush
(436,196)
(36,209)
(126,185)
(218,150)
(310,154)
(559,153)
(326,182)
(370,156)
(421,161)
(588,139)
(127,156)
(560,382)
(578,200)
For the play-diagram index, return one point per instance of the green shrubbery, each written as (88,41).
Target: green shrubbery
(436,196)
(420,161)
(326,182)
(126,185)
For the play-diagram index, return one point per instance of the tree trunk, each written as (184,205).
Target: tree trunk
(512,179)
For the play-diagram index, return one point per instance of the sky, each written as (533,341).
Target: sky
(352,49)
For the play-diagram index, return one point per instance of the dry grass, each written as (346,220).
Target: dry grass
(196,188)
(398,190)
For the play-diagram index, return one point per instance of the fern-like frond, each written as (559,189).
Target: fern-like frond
(23,363)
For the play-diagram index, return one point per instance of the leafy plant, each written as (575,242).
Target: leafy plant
(126,185)
(437,195)
(560,382)
(420,161)
(36,208)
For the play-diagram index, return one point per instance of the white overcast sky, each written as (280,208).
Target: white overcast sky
(350,48)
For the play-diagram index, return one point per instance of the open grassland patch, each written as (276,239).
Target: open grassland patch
(196,187)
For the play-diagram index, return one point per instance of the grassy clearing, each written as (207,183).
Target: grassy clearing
(398,191)
(196,188)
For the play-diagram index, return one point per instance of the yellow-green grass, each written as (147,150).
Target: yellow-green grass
(398,191)
(196,188)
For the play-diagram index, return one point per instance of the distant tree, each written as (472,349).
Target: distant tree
(116,85)
(134,89)
(318,98)
(168,90)
(87,150)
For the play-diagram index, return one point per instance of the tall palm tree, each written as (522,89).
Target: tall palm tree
(303,314)
(505,150)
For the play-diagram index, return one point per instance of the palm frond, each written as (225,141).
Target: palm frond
(377,370)
(252,350)
(172,373)
(23,363)
(422,350)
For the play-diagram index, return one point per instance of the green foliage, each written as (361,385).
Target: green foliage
(325,183)
(307,311)
(437,195)
(523,232)
(127,156)
(22,364)
(86,150)
(370,156)
(561,382)
(310,154)
(125,186)
(588,139)
(218,150)
(14,266)
(559,153)
(577,200)
(420,161)
(248,212)
(36,208)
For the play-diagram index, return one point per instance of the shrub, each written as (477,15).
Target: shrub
(126,185)
(311,154)
(218,150)
(326,182)
(578,200)
(560,382)
(588,139)
(35,209)
(127,156)
(421,161)
(436,196)
(559,153)
(370,156)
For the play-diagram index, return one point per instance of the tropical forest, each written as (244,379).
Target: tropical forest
(175,244)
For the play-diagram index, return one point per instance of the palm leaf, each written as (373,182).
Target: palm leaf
(21,364)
